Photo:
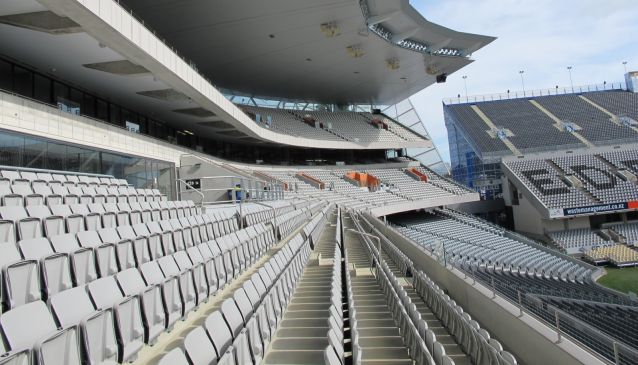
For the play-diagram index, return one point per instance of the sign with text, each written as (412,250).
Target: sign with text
(194,183)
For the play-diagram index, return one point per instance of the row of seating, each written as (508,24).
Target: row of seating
(485,246)
(18,223)
(26,195)
(109,319)
(50,178)
(334,354)
(475,341)
(241,330)
(357,353)
(619,255)
(437,300)
(117,314)
(578,240)
(72,260)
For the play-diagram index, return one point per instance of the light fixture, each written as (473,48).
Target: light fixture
(355,51)
(330,29)
(392,63)
(432,69)
(188,132)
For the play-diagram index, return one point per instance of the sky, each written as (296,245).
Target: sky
(540,37)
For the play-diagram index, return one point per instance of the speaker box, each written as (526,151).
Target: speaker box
(441,78)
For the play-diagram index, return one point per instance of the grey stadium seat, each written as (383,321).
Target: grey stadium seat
(132,283)
(170,291)
(73,307)
(105,293)
(82,258)
(174,357)
(20,278)
(54,267)
(32,326)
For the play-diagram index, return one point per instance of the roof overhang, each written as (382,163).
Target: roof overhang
(370,51)
(124,62)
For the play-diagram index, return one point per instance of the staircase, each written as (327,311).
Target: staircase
(301,337)
(580,188)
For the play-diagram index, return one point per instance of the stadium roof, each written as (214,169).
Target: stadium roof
(327,51)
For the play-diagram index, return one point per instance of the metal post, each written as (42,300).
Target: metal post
(493,289)
(520,304)
(616,354)
(557,319)
(241,214)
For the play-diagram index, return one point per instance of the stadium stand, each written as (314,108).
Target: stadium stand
(578,180)
(399,186)
(339,126)
(467,241)
(595,124)
(619,255)
(162,221)
(531,128)
(629,231)
(189,257)
(578,240)
(527,275)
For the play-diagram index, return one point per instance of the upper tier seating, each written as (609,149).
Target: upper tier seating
(407,186)
(401,188)
(531,127)
(288,122)
(332,126)
(595,124)
(534,129)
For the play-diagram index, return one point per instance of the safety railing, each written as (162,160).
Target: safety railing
(565,325)
(534,93)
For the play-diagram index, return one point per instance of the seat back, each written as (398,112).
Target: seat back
(199,348)
(218,331)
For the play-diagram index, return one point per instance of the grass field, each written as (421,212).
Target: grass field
(624,280)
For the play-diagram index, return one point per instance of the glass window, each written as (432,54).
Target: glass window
(74,157)
(102,110)
(43,87)
(112,164)
(11,149)
(23,81)
(6,76)
(114,114)
(88,105)
(56,156)
(34,154)
(60,91)
(90,162)
(76,96)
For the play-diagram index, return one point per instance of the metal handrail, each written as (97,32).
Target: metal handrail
(533,93)
(31,169)
(201,203)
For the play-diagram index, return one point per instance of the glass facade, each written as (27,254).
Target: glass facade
(468,168)
(26,151)
(46,89)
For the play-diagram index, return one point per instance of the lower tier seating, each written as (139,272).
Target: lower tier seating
(104,296)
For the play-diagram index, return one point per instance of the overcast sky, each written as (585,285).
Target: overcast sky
(541,37)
